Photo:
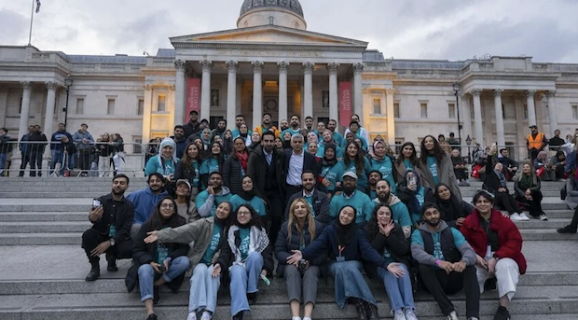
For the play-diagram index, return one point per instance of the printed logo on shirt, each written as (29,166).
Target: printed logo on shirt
(215,241)
(244,247)
(438,253)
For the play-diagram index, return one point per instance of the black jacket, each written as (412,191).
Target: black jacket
(121,213)
(283,246)
(232,175)
(37,142)
(226,257)
(492,181)
(191,129)
(309,162)
(183,173)
(257,168)
(320,206)
(396,244)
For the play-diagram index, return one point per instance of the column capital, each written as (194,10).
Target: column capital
(51,85)
(333,67)
(206,65)
(476,92)
(147,87)
(172,87)
(257,66)
(308,67)
(180,65)
(282,66)
(366,90)
(529,93)
(232,65)
(551,94)
(358,68)
(498,92)
(26,84)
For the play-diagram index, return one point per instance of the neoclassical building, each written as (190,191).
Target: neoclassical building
(272,63)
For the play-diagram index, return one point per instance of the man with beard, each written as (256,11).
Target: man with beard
(373,178)
(360,132)
(446,263)
(338,137)
(239,121)
(180,140)
(317,200)
(110,232)
(297,161)
(266,125)
(351,197)
(145,200)
(309,124)
(208,200)
(221,128)
(284,125)
(399,212)
(266,170)
(294,129)
(193,126)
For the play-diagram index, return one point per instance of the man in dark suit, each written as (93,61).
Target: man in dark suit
(297,161)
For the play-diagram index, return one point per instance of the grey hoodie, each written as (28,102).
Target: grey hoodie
(422,257)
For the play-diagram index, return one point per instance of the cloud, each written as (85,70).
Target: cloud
(14,28)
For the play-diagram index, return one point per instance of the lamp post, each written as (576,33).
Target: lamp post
(469,143)
(456,88)
(67,83)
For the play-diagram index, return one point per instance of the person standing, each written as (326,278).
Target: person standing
(84,144)
(436,166)
(266,125)
(180,140)
(337,137)
(192,127)
(296,162)
(56,147)
(5,149)
(556,142)
(535,141)
(25,150)
(236,166)
(104,147)
(38,142)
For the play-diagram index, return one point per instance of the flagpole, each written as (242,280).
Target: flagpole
(31,21)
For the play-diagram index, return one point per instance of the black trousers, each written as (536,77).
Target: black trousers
(534,206)
(440,284)
(84,159)
(24,163)
(274,214)
(461,174)
(574,222)
(506,201)
(291,190)
(35,163)
(91,238)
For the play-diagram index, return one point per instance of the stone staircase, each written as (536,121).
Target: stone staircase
(43,266)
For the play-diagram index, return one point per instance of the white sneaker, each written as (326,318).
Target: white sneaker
(296,318)
(306,318)
(399,315)
(543,217)
(192,316)
(206,316)
(409,314)
(516,217)
(453,316)
(524,216)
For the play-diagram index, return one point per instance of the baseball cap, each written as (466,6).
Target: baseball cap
(533,126)
(350,174)
(185,181)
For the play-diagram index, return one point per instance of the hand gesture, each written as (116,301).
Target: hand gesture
(385,229)
(492,265)
(446,266)
(460,221)
(166,264)
(528,192)
(326,182)
(481,262)
(396,270)
(412,186)
(100,249)
(155,267)
(264,272)
(210,190)
(295,258)
(153,237)
(95,214)
(459,266)
(216,270)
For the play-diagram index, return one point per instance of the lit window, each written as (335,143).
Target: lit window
(162,103)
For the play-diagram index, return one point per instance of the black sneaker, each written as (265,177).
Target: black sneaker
(361,312)
(94,273)
(156,295)
(502,314)
(370,310)
(567,229)
(152,316)
(491,284)
(252,298)
(111,264)
(238,316)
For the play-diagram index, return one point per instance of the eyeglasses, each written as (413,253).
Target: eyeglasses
(246,213)
(167,206)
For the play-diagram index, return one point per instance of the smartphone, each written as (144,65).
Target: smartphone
(412,180)
(95,203)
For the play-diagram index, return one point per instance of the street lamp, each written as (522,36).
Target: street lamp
(456,87)
(469,143)
(67,83)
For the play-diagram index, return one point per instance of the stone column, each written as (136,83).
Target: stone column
(499,118)
(257,92)
(358,93)
(206,90)
(308,87)
(25,112)
(552,112)
(466,116)
(531,107)
(49,116)
(282,66)
(390,117)
(171,102)
(180,92)
(478,117)
(333,68)
(147,112)
(231,93)
(3,105)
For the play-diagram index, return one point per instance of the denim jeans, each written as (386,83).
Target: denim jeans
(204,288)
(57,156)
(349,282)
(399,290)
(3,158)
(146,275)
(67,162)
(244,279)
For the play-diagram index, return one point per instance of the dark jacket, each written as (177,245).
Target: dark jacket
(396,244)
(69,147)
(189,174)
(5,144)
(521,193)
(492,181)
(123,215)
(191,129)
(37,142)
(320,206)
(309,162)
(56,138)
(104,148)
(226,258)
(257,169)
(232,174)
(283,246)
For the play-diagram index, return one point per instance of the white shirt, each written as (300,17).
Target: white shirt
(295,169)
(268,156)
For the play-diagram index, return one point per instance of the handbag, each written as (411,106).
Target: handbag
(476,171)
(540,172)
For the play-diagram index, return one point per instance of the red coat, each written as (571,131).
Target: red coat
(508,235)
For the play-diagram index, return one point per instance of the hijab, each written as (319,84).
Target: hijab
(206,142)
(326,162)
(227,144)
(450,209)
(345,234)
(171,143)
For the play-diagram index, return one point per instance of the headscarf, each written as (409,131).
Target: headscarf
(450,209)
(247,195)
(326,162)
(375,156)
(227,144)
(206,142)
(168,142)
(345,234)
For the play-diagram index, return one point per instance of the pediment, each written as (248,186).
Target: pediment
(268,34)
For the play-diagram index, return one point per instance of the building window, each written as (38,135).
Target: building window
(503,111)
(398,143)
(79,106)
(575,112)
(376,106)
(423,109)
(162,103)
(137,144)
(396,110)
(140,107)
(110,106)
(271,20)
(452,110)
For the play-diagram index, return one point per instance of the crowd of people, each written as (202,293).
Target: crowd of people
(227,204)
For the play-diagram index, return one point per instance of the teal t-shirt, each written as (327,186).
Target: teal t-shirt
(359,200)
(213,245)
(161,253)
(256,202)
(387,257)
(245,236)
(333,174)
(433,168)
(362,182)
(459,240)
(196,180)
(204,195)
(407,164)
(209,166)
(385,167)
(236,133)
(293,132)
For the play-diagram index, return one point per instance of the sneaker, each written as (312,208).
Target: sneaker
(467,183)
(524,216)
(152,316)
(192,316)
(409,314)
(453,316)
(306,318)
(473,318)
(543,217)
(502,314)
(516,217)
(296,318)
(567,229)
(207,316)
(399,315)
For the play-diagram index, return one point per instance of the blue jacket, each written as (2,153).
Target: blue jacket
(57,138)
(77,138)
(359,200)
(144,202)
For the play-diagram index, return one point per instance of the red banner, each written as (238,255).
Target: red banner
(344,103)
(193,95)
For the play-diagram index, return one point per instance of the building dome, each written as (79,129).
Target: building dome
(286,13)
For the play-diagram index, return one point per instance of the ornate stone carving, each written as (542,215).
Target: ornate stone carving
(232,65)
(308,67)
(206,65)
(257,66)
(180,65)
(529,93)
(476,92)
(551,94)
(147,87)
(358,68)
(333,67)
(26,84)
(282,66)
(498,92)
(390,91)
(51,85)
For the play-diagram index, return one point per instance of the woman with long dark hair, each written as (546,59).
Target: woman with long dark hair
(228,142)
(246,254)
(388,239)
(235,167)
(452,209)
(212,163)
(301,279)
(407,159)
(413,194)
(159,264)
(527,187)
(249,195)
(189,168)
(436,166)
(354,161)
